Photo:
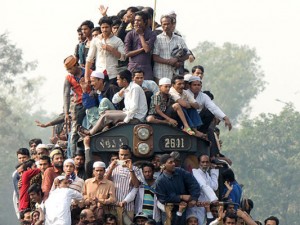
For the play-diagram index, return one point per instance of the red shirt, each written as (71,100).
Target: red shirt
(49,175)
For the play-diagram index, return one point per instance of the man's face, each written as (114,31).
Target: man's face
(95,33)
(139,23)
(33,147)
(138,78)
(204,162)
(41,151)
(192,221)
(214,211)
(165,88)
(72,70)
(121,82)
(81,38)
(230,208)
(130,16)
(79,161)
(22,158)
(105,29)
(148,173)
(20,170)
(179,85)
(155,161)
(170,165)
(43,165)
(196,86)
(166,25)
(97,83)
(99,173)
(34,197)
(124,154)
(230,221)
(69,168)
(90,216)
(27,216)
(58,160)
(141,221)
(86,31)
(198,73)
(110,222)
(271,222)
(115,29)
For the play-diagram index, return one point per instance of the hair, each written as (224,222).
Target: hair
(125,147)
(105,19)
(35,188)
(137,70)
(28,163)
(25,222)
(228,175)
(149,11)
(150,222)
(45,157)
(147,164)
(200,156)
(144,16)
(247,205)
(121,14)
(79,29)
(79,153)
(36,141)
(18,165)
(83,214)
(231,216)
(22,213)
(185,70)
(87,23)
(272,218)
(167,17)
(176,77)
(96,29)
(132,9)
(109,216)
(116,21)
(210,95)
(198,67)
(23,151)
(126,74)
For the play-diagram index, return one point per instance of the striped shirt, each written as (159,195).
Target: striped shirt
(163,47)
(148,201)
(121,178)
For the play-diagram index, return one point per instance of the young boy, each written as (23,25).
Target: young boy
(58,204)
(163,109)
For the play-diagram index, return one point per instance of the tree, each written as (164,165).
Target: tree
(17,96)
(232,74)
(266,155)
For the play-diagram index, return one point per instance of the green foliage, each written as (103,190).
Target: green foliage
(265,152)
(232,74)
(17,96)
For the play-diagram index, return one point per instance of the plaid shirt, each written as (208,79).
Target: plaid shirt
(158,99)
(163,47)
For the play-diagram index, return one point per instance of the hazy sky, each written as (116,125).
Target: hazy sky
(46,31)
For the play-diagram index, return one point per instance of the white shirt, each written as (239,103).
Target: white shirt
(104,59)
(135,102)
(185,95)
(150,85)
(204,100)
(57,206)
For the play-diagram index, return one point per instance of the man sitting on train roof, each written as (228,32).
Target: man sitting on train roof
(188,104)
(135,105)
(149,86)
(163,108)
(204,101)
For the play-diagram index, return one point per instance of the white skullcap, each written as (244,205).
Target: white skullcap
(99,164)
(171,13)
(187,77)
(61,177)
(97,74)
(69,161)
(39,146)
(164,80)
(194,78)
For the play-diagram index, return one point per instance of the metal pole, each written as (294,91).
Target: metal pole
(154,14)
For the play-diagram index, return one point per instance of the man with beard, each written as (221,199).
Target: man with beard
(79,161)
(75,182)
(52,172)
(87,217)
(208,182)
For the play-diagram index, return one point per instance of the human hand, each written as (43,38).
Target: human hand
(172,122)
(86,141)
(182,206)
(84,85)
(103,10)
(192,203)
(128,163)
(38,123)
(229,187)
(173,61)
(185,198)
(227,123)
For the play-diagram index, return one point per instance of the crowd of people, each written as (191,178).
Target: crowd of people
(130,69)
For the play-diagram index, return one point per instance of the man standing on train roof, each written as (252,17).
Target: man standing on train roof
(138,45)
(75,73)
(164,64)
(107,49)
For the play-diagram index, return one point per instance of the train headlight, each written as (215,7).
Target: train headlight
(143,148)
(143,133)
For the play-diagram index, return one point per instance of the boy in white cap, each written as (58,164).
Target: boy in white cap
(164,110)
(57,206)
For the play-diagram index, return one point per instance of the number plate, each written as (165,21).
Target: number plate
(174,142)
(111,143)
